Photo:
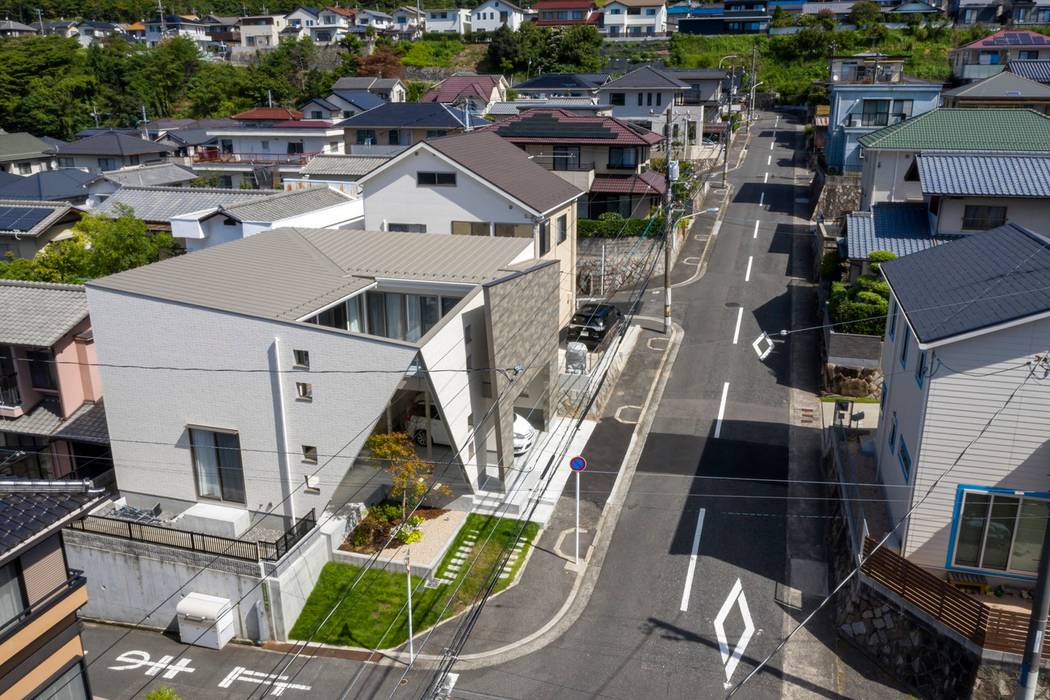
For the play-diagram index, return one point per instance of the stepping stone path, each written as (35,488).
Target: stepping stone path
(459,558)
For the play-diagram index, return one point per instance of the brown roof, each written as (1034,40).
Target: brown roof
(649,182)
(268,114)
(344,11)
(506,166)
(452,88)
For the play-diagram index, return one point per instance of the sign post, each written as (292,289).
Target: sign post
(577,464)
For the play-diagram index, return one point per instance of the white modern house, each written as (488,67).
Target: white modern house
(314,207)
(634,18)
(350,331)
(262,31)
(333,23)
(477,184)
(493,14)
(643,96)
(965,348)
(452,20)
(409,22)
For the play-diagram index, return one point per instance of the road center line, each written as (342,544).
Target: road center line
(721,410)
(755,234)
(772,143)
(747,275)
(765,178)
(739,318)
(761,199)
(692,561)
(769,160)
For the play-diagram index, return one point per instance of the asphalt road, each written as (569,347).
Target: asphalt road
(650,628)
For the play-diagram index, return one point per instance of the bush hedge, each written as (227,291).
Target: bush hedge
(859,308)
(616,226)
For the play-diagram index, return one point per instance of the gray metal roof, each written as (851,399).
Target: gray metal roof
(46,185)
(1037,70)
(345,165)
(159,204)
(365,83)
(112,143)
(646,77)
(287,273)
(151,175)
(985,174)
(38,314)
(1001,86)
(506,166)
(286,204)
(974,283)
(902,228)
(19,146)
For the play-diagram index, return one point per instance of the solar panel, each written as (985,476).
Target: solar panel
(545,125)
(22,218)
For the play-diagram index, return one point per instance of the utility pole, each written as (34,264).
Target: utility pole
(408,577)
(727,136)
(754,77)
(163,24)
(1033,648)
(145,127)
(668,231)
(40,20)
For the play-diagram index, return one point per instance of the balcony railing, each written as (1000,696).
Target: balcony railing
(244,550)
(276,158)
(9,394)
(869,75)
(74,581)
(873,120)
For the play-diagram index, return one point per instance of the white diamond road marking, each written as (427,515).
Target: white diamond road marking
(731,659)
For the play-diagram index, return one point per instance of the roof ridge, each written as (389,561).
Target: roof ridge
(29,284)
(212,190)
(36,203)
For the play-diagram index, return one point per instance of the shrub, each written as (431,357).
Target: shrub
(860,308)
(831,266)
(877,257)
(162,694)
(363,533)
(616,227)
(386,511)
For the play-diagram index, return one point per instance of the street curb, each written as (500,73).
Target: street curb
(709,245)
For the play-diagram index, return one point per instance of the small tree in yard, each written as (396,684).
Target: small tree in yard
(410,475)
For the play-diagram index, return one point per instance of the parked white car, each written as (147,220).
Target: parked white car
(524,433)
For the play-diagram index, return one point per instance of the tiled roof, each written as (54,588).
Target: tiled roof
(1003,85)
(902,228)
(1036,70)
(974,283)
(408,115)
(19,145)
(48,185)
(346,165)
(151,175)
(507,167)
(362,99)
(646,77)
(699,74)
(561,126)
(563,4)
(564,81)
(28,219)
(575,105)
(268,114)
(365,83)
(38,314)
(286,204)
(649,182)
(112,143)
(28,512)
(452,88)
(985,174)
(286,274)
(159,204)
(86,424)
(1009,38)
(951,129)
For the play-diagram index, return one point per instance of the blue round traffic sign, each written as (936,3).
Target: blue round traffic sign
(577,464)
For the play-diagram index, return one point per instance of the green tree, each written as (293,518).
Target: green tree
(383,63)
(578,49)
(865,14)
(782,18)
(415,89)
(409,475)
(162,694)
(503,51)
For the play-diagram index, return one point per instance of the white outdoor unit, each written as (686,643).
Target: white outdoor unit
(205,620)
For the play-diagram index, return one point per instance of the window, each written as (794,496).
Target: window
(366,137)
(566,158)
(659,98)
(912,173)
(882,396)
(893,431)
(107,164)
(904,457)
(1002,532)
(12,597)
(648,99)
(620,157)
(424,179)
(66,163)
(875,113)
(25,169)
(409,228)
(1028,55)
(304,390)
(982,218)
(988,58)
(920,369)
(302,358)
(70,685)
(295,147)
(901,109)
(650,11)
(513,230)
(471,228)
(217,460)
(641,96)
(315,114)
(634,10)
(561,226)
(617,99)
(435,133)
(616,11)
(394,139)
(310,454)
(41,365)
(904,351)
(545,237)
(893,319)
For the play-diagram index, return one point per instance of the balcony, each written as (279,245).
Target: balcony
(38,618)
(213,156)
(874,121)
(867,74)
(10,397)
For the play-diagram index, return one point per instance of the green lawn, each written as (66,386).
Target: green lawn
(366,613)
(432,52)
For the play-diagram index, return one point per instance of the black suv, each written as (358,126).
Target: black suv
(592,323)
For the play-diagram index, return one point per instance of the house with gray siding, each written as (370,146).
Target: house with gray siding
(965,361)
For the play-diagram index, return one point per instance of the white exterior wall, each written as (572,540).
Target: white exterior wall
(1012,454)
(1033,214)
(130,329)
(486,16)
(882,178)
(624,24)
(392,196)
(455,21)
(258,36)
(29,166)
(276,143)
(654,113)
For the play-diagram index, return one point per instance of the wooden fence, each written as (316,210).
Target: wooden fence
(984,625)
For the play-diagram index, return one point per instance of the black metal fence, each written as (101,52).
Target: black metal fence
(197,542)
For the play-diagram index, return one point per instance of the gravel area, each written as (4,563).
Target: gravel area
(437,533)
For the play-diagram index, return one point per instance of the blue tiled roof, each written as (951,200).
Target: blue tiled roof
(361,98)
(974,283)
(407,115)
(899,227)
(987,175)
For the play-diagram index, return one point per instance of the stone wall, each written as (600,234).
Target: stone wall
(627,262)
(840,194)
(852,381)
